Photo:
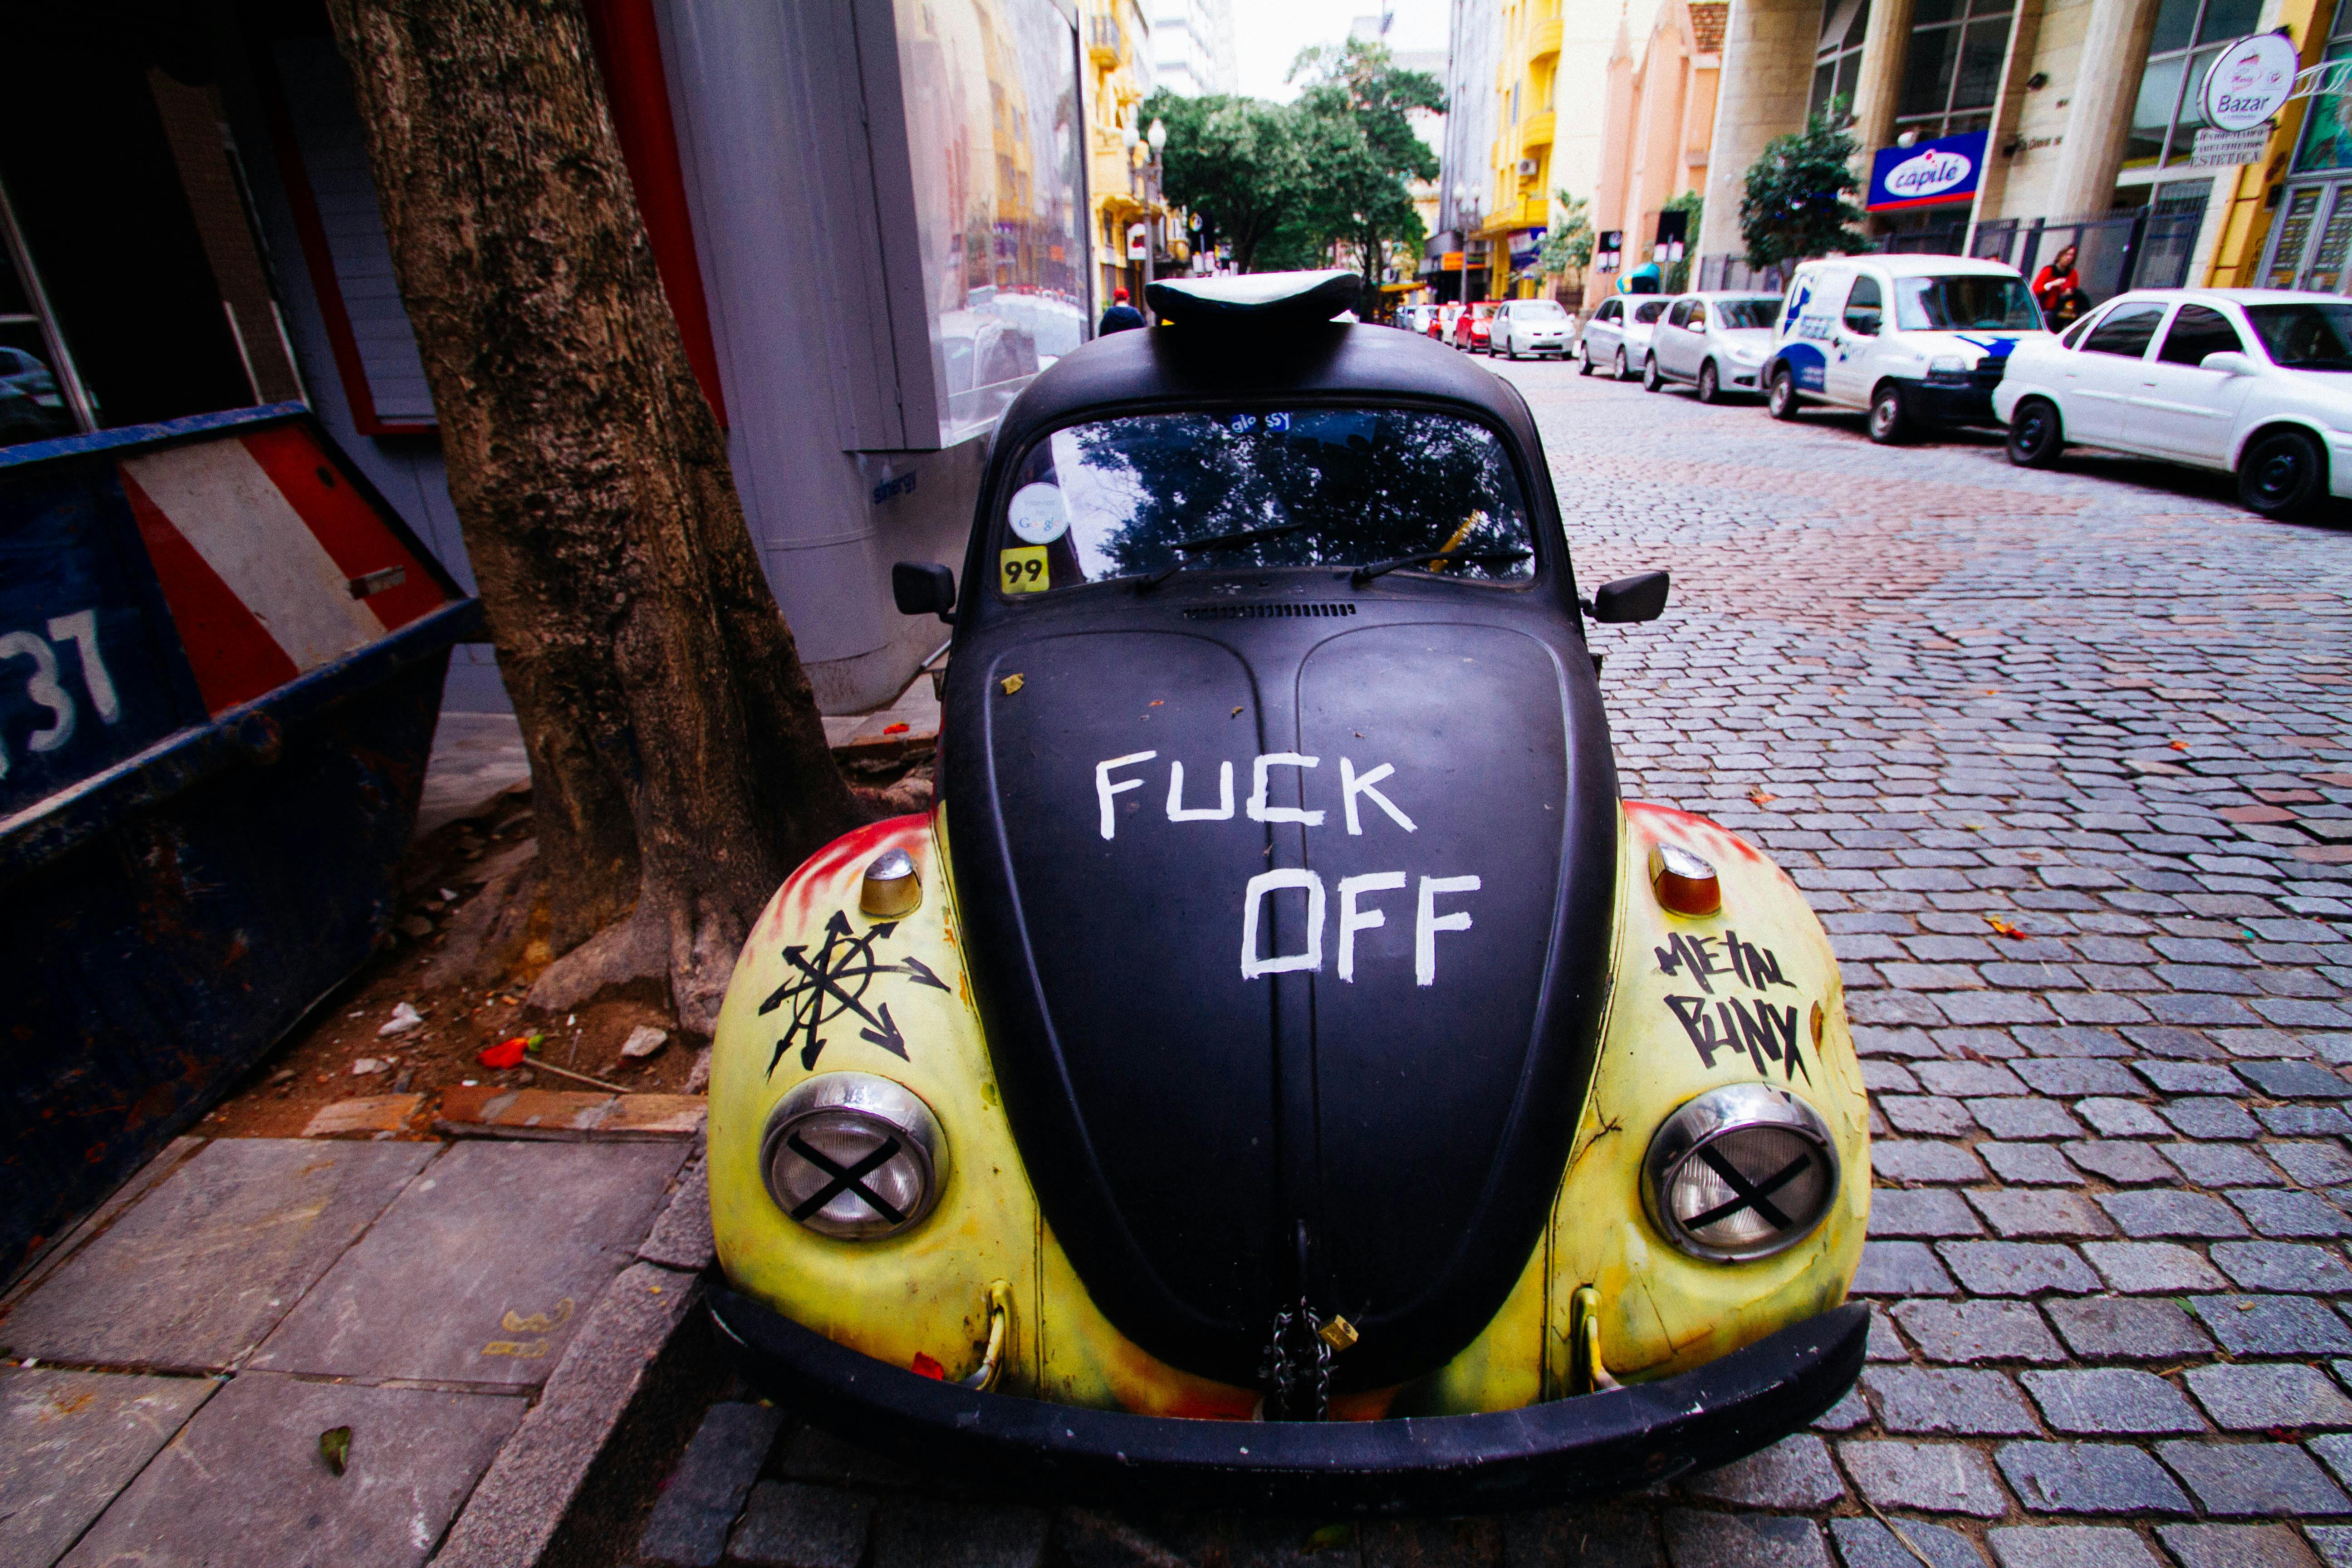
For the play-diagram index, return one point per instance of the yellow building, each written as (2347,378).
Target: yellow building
(1518,203)
(1118,176)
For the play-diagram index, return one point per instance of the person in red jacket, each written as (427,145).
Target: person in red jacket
(2054,283)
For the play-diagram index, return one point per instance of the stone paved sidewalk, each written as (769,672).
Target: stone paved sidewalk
(2065,760)
(172,1369)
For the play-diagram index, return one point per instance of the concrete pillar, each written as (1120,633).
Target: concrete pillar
(2099,117)
(1768,74)
(1885,42)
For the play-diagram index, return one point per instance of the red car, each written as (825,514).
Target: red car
(1472,326)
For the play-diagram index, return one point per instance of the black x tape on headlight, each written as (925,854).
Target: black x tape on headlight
(1740,1173)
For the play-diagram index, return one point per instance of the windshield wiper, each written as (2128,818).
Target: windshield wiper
(1214,541)
(1363,575)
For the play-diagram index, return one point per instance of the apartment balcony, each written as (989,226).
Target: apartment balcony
(1106,42)
(1543,41)
(1535,132)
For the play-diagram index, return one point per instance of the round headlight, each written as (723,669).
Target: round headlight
(852,1155)
(1740,1173)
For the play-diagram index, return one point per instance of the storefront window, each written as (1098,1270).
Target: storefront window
(998,203)
(1837,61)
(2325,144)
(1951,73)
(2189,34)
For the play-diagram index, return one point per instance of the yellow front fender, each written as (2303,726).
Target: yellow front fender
(821,987)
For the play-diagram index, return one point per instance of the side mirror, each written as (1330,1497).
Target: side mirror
(1640,597)
(923,588)
(2229,362)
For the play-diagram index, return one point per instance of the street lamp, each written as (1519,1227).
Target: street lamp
(1157,139)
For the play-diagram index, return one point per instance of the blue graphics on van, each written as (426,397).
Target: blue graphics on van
(1804,361)
(1927,173)
(1994,348)
(1805,365)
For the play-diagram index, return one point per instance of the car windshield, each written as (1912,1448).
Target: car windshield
(1735,314)
(1537,308)
(1651,311)
(1964,304)
(2316,335)
(1325,486)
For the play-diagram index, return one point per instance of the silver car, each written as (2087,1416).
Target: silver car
(1617,337)
(1536,327)
(1717,342)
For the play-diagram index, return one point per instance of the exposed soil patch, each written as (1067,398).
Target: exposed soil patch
(462,952)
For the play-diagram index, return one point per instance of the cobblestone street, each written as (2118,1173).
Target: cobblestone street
(2063,761)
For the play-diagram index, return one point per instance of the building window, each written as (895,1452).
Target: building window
(1951,73)
(2189,34)
(1837,61)
(2325,144)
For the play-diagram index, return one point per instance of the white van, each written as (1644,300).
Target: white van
(1913,339)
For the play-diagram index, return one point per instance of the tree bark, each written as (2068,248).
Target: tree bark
(678,764)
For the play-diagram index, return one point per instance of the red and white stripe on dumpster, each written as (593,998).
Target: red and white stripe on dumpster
(272,564)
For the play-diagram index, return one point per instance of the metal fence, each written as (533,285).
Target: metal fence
(2144,249)
(1733,272)
(2148,248)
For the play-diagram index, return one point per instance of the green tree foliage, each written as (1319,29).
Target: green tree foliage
(1363,154)
(1568,244)
(1240,162)
(1796,203)
(1677,277)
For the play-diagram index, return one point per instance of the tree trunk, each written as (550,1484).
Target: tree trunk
(678,764)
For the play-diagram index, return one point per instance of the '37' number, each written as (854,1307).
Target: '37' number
(47,690)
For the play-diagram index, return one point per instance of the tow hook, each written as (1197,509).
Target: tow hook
(1000,1315)
(1586,1372)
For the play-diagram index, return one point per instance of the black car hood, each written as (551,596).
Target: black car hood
(1210,1144)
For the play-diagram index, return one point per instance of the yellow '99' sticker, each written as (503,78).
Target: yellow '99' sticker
(1023,567)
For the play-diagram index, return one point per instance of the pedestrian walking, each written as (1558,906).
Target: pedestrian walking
(1120,317)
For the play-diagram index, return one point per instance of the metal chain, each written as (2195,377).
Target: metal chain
(1297,1392)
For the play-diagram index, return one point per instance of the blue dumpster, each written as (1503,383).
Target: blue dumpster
(221,656)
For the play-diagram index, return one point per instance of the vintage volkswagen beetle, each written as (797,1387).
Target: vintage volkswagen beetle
(1282,1072)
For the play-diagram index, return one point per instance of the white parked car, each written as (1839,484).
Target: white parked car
(1717,342)
(1617,337)
(2257,381)
(1536,327)
(1912,339)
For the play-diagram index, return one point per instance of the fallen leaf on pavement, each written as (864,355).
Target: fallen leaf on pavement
(2003,928)
(1011,683)
(505,1054)
(335,1448)
(1761,795)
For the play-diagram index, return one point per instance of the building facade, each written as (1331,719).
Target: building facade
(1192,46)
(1657,128)
(2079,117)
(1519,172)
(1455,264)
(1128,216)
(870,220)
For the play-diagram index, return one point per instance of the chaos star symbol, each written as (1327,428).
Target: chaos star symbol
(831,982)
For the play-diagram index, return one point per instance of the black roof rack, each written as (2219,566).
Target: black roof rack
(1256,299)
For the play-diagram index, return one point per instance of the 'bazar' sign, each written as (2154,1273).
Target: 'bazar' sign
(1928,173)
(2251,82)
